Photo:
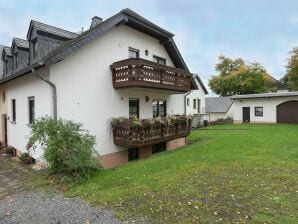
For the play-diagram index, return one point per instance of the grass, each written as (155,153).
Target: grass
(227,174)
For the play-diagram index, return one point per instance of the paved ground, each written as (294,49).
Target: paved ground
(25,200)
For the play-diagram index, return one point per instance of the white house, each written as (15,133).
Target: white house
(218,108)
(279,107)
(122,66)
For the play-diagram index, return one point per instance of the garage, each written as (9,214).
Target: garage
(287,112)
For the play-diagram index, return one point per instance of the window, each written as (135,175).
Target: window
(133,154)
(259,111)
(187,102)
(133,53)
(6,67)
(194,103)
(158,148)
(3,96)
(199,106)
(34,48)
(31,107)
(159,108)
(134,107)
(159,60)
(13,110)
(16,60)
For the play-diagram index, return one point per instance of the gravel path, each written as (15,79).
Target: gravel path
(51,208)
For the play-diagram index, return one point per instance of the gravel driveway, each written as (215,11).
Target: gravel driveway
(21,203)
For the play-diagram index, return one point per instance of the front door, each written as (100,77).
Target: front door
(4,128)
(246,114)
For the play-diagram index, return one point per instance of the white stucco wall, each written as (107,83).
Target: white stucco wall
(177,101)
(84,83)
(20,89)
(268,104)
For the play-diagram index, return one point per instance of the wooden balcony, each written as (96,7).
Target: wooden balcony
(126,133)
(142,73)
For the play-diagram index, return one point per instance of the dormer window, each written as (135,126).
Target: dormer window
(16,60)
(34,48)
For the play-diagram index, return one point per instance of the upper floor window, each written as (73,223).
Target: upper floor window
(159,108)
(187,102)
(133,53)
(3,96)
(194,103)
(16,60)
(159,60)
(199,106)
(31,107)
(13,110)
(34,48)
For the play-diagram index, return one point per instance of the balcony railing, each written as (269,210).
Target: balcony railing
(142,73)
(145,132)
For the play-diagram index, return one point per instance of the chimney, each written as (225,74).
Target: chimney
(95,21)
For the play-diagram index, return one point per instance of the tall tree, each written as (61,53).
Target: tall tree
(237,77)
(292,70)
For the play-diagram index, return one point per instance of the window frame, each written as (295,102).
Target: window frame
(259,113)
(194,103)
(199,106)
(13,110)
(138,107)
(31,110)
(137,51)
(158,106)
(157,60)
(187,102)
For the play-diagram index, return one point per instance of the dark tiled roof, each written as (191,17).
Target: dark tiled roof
(197,77)
(21,43)
(218,104)
(53,30)
(7,51)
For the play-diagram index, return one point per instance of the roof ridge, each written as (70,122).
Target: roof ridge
(35,21)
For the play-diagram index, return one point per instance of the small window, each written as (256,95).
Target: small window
(194,103)
(3,96)
(187,102)
(13,110)
(34,48)
(199,106)
(159,108)
(16,60)
(259,111)
(159,60)
(133,53)
(134,107)
(133,154)
(31,107)
(158,148)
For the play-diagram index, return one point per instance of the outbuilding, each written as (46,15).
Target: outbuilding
(279,107)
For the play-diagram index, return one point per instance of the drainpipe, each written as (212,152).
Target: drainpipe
(53,86)
(185,97)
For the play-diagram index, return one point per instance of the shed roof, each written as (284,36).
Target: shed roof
(265,95)
(218,104)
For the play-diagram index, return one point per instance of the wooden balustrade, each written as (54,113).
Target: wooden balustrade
(130,135)
(147,74)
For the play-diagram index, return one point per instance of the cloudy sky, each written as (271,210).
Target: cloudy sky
(257,30)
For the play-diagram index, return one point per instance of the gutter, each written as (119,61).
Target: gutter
(53,86)
(185,96)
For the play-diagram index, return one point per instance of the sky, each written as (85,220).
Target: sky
(256,30)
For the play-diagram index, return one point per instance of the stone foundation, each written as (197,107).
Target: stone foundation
(176,143)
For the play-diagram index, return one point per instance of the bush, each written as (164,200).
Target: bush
(227,120)
(68,148)
(9,150)
(25,158)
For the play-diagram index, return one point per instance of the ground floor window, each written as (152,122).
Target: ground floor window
(133,154)
(158,148)
(259,111)
(159,108)
(31,107)
(13,110)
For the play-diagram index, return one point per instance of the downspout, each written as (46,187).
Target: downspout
(185,97)
(54,89)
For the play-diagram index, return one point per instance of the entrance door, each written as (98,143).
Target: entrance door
(4,128)
(246,114)
(134,108)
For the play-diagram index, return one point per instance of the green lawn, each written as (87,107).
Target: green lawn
(227,174)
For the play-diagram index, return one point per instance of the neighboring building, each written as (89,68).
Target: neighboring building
(122,66)
(1,62)
(218,108)
(280,107)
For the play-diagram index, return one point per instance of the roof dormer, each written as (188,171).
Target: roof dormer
(44,38)
(7,61)
(20,53)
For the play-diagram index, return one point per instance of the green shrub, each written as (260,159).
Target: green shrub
(68,148)
(9,150)
(25,158)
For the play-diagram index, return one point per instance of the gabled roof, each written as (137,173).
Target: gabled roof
(197,77)
(218,104)
(129,18)
(50,30)
(20,42)
(7,51)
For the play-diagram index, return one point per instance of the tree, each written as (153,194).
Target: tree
(291,77)
(237,77)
